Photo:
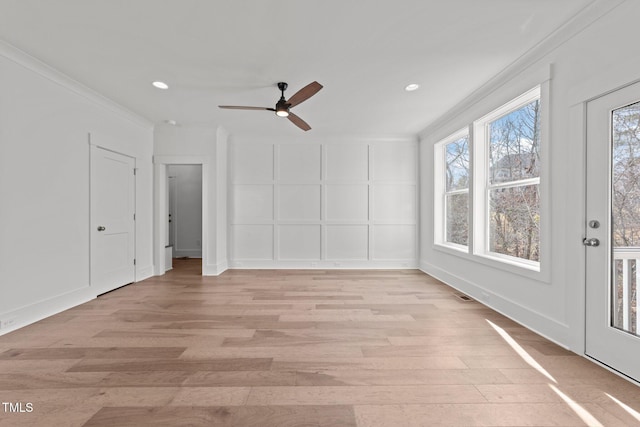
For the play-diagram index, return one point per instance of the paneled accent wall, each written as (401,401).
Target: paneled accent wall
(331,205)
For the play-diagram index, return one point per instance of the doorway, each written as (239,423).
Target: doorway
(612,240)
(161,210)
(184,218)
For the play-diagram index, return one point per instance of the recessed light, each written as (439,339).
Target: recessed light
(411,87)
(160,85)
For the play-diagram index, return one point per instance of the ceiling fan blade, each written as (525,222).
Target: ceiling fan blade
(298,122)
(239,107)
(305,93)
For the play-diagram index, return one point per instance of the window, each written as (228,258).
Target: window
(508,181)
(487,200)
(454,180)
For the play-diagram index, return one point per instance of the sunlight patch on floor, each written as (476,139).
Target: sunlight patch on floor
(521,351)
(635,414)
(584,415)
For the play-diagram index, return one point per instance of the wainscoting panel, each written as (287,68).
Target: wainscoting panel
(347,202)
(253,202)
(252,242)
(346,162)
(299,242)
(299,203)
(347,242)
(323,205)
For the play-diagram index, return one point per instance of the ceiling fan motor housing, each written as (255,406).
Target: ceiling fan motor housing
(282,106)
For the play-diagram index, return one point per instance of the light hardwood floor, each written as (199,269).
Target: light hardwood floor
(298,348)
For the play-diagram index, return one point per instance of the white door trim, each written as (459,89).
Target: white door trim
(161,206)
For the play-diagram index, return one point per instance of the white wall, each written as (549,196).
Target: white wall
(323,204)
(204,145)
(596,59)
(45,120)
(185,205)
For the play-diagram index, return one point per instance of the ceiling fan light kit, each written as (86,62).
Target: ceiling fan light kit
(283,106)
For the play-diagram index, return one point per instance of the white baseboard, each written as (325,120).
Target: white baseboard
(549,328)
(42,309)
(189,253)
(324,265)
(215,269)
(143,273)
(39,310)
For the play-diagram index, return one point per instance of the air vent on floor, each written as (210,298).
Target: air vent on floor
(463,297)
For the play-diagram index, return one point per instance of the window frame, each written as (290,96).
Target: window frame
(539,79)
(483,185)
(441,193)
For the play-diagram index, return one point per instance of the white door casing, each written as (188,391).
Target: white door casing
(112,223)
(608,340)
(172,186)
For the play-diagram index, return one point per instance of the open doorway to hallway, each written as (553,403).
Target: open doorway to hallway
(186,269)
(184,213)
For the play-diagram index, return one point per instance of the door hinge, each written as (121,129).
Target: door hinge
(134,261)
(134,217)
(134,170)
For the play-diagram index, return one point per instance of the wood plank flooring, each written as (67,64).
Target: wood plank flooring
(297,348)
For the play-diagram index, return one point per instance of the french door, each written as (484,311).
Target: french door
(612,241)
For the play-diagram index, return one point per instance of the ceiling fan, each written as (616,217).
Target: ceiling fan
(284,106)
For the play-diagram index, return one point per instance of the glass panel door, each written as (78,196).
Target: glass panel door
(612,241)
(625,172)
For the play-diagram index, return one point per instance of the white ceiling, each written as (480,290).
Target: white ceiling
(215,52)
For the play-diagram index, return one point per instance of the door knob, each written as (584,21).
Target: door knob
(591,242)
(101,228)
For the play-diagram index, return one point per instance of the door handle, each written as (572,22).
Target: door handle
(101,228)
(591,242)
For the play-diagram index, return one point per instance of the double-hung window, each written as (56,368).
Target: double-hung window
(487,185)
(507,198)
(453,174)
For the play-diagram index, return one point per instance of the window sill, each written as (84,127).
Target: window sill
(526,270)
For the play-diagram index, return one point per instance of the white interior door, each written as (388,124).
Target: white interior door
(613,230)
(112,220)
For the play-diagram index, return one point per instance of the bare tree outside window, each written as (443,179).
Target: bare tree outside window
(514,183)
(457,191)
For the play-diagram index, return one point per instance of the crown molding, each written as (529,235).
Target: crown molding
(571,28)
(44,70)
